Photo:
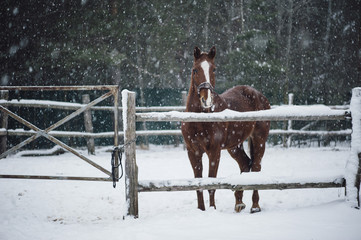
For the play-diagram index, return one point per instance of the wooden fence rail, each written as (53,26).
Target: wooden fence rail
(341,112)
(282,113)
(133,186)
(175,132)
(253,181)
(75,106)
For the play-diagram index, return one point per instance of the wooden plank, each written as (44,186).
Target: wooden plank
(115,155)
(310,133)
(353,166)
(74,106)
(22,132)
(51,104)
(299,113)
(39,177)
(158,186)
(88,125)
(131,168)
(57,88)
(4,123)
(174,132)
(161,109)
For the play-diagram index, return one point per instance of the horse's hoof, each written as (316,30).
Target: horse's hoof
(255,210)
(239,207)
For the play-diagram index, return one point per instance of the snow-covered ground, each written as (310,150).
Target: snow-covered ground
(48,209)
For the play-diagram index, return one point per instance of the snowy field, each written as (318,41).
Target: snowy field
(48,209)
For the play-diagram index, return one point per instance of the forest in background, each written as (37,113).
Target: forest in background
(309,48)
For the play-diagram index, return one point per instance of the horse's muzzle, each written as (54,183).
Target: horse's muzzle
(205,93)
(206,98)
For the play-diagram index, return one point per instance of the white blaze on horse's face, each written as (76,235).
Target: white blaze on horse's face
(206,103)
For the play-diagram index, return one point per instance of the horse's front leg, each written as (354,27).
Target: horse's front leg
(195,157)
(214,157)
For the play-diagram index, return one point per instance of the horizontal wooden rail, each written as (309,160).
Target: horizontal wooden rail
(22,132)
(250,182)
(75,106)
(310,133)
(108,179)
(59,88)
(282,113)
(175,132)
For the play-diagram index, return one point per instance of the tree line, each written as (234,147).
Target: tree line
(309,48)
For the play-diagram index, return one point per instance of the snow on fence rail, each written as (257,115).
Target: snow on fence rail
(342,111)
(247,181)
(75,106)
(282,113)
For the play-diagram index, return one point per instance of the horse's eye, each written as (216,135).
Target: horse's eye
(214,69)
(195,71)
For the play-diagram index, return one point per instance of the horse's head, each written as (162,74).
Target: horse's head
(203,77)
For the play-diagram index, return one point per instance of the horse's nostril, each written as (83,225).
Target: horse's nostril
(203,100)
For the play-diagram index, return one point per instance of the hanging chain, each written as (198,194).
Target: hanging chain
(118,152)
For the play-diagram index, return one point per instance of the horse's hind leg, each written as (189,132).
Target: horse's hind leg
(257,144)
(243,162)
(255,202)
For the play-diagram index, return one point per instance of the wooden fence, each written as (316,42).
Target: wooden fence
(351,179)
(112,90)
(131,183)
(90,135)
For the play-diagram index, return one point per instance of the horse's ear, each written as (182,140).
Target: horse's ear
(212,52)
(197,53)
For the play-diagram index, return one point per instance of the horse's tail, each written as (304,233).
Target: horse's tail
(251,152)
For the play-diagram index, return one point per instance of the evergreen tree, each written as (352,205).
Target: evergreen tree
(308,48)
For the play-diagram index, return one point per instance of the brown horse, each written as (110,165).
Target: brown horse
(212,137)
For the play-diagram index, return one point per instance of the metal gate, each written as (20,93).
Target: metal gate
(112,90)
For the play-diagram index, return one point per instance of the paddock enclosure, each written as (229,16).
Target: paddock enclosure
(252,181)
(245,181)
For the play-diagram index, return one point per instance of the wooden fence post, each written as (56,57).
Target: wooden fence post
(184,98)
(289,126)
(131,169)
(88,125)
(4,94)
(184,103)
(178,139)
(116,150)
(353,167)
